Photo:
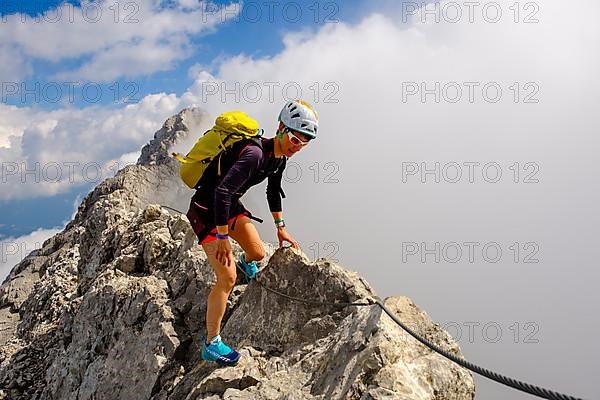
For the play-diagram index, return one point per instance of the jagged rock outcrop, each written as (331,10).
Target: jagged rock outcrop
(113,307)
(176,128)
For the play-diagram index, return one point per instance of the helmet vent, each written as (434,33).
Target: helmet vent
(297,115)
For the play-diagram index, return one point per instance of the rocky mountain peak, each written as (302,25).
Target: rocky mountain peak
(175,129)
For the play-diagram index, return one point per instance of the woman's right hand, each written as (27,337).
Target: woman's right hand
(225,253)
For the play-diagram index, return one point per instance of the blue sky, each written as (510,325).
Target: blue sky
(257,31)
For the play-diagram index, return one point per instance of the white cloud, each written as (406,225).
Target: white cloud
(131,60)
(13,250)
(52,151)
(369,61)
(353,75)
(370,131)
(129,158)
(112,39)
(194,70)
(14,120)
(13,66)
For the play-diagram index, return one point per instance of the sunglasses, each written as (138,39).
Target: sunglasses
(295,139)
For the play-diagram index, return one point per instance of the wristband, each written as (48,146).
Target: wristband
(278,220)
(280,223)
(219,236)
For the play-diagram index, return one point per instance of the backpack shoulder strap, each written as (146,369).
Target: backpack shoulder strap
(241,146)
(254,140)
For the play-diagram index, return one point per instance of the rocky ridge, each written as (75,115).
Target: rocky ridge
(113,307)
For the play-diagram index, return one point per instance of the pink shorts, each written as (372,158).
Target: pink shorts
(212,234)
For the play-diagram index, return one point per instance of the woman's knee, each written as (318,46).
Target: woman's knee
(226,276)
(254,248)
(256,253)
(227,280)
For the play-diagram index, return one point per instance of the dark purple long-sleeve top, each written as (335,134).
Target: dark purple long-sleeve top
(250,169)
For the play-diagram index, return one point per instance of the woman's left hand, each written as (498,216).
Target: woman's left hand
(282,235)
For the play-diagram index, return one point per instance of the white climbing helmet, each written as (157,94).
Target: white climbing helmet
(300,116)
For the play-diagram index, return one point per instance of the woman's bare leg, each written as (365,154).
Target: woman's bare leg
(246,235)
(217,298)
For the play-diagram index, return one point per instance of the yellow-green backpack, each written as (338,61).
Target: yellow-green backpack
(230,127)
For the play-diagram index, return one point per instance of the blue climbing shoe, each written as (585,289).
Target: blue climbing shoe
(219,352)
(250,269)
